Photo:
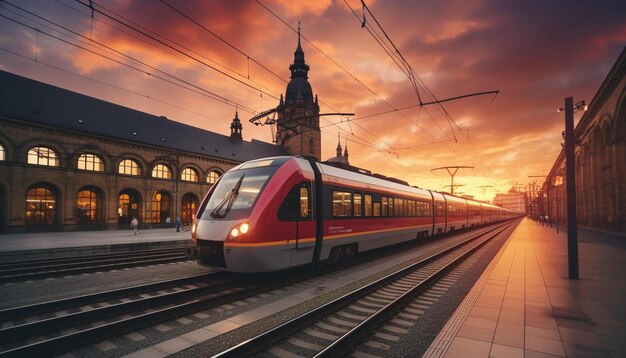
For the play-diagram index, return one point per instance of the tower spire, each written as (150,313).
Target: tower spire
(298,33)
(338,144)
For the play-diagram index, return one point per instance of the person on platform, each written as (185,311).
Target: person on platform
(135,225)
(178,224)
(168,222)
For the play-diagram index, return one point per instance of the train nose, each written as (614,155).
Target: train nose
(191,252)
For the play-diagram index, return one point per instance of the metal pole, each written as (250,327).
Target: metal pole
(572,225)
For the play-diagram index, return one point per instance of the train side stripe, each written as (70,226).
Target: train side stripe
(312,239)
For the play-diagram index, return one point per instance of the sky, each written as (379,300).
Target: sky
(197,62)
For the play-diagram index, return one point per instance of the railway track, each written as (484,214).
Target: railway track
(57,327)
(392,302)
(43,268)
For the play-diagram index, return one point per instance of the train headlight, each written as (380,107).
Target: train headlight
(239,230)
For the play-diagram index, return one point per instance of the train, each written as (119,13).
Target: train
(278,213)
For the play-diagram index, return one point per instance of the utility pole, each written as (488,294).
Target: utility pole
(452,173)
(570,178)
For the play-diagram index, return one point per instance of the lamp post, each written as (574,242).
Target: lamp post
(570,178)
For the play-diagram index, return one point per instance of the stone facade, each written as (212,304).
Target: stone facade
(600,160)
(66,180)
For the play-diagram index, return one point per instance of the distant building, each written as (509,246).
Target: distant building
(298,124)
(340,158)
(600,160)
(513,200)
(72,162)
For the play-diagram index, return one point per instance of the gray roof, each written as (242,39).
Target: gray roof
(32,101)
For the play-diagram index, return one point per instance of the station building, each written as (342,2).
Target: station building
(600,161)
(73,162)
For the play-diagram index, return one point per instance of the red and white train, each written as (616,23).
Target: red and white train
(276,213)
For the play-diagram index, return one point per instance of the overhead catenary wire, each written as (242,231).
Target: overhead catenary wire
(195,89)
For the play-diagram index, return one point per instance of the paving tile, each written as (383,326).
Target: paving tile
(476,332)
(509,335)
(468,348)
(533,354)
(582,338)
(574,350)
(502,351)
(544,345)
(543,333)
(484,312)
(510,316)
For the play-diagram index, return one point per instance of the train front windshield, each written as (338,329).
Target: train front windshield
(236,193)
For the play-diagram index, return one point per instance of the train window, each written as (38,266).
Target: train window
(412,208)
(385,206)
(397,206)
(357,204)
(439,208)
(368,205)
(390,208)
(376,209)
(342,203)
(304,202)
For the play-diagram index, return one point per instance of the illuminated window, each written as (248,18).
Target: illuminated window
(342,203)
(368,205)
(162,172)
(129,167)
(2,153)
(385,206)
(160,207)
(40,206)
(376,209)
(43,156)
(357,204)
(86,207)
(189,174)
(212,177)
(188,208)
(90,162)
(398,206)
(390,209)
(304,202)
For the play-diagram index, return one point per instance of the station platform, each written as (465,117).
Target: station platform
(31,246)
(524,305)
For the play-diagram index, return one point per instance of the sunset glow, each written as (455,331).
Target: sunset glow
(534,53)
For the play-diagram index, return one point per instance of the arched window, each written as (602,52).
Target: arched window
(87,207)
(161,171)
(129,203)
(90,162)
(189,174)
(2,152)
(129,167)
(40,206)
(160,209)
(213,176)
(43,156)
(188,207)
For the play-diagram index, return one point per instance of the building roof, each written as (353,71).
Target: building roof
(32,101)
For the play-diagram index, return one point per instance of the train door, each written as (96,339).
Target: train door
(304,224)
(296,212)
